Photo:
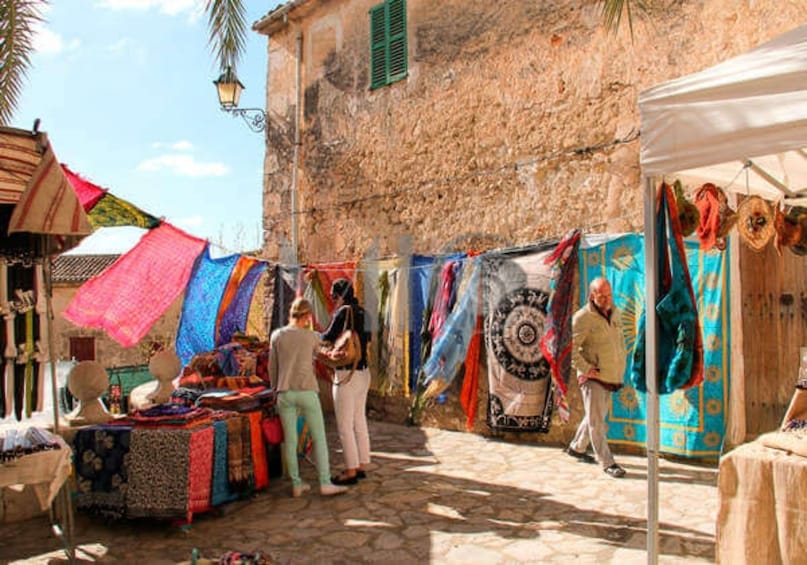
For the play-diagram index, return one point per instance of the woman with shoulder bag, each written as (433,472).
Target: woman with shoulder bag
(351,385)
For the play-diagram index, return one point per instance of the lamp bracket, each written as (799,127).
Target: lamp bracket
(255,118)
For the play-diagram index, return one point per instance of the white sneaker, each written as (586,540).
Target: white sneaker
(298,491)
(331,489)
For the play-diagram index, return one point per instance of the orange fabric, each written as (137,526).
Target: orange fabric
(242,267)
(259,464)
(470,385)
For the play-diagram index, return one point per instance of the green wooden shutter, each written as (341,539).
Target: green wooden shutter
(397,40)
(387,43)
(378,46)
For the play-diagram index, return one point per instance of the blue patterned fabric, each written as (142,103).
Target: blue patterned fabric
(419,295)
(235,316)
(692,421)
(197,324)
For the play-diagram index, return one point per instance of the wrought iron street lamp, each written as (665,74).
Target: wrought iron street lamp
(229,90)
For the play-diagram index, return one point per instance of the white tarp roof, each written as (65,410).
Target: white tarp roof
(706,126)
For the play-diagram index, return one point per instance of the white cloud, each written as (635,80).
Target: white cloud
(46,41)
(189,222)
(182,145)
(119,45)
(183,165)
(169,7)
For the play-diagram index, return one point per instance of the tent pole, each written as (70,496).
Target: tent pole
(652,421)
(64,501)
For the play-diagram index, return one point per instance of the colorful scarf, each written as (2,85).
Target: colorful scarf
(197,322)
(131,295)
(556,343)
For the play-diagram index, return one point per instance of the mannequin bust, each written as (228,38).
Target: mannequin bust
(164,366)
(88,381)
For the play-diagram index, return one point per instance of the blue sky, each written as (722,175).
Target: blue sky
(124,91)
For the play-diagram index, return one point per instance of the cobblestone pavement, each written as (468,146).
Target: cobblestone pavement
(431,496)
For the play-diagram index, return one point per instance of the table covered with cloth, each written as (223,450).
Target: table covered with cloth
(43,471)
(762,517)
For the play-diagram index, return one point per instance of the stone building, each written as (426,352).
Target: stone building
(83,344)
(403,126)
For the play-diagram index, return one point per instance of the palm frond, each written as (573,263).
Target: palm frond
(18,20)
(227,27)
(612,11)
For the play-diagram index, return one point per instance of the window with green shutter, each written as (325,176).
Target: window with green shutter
(387,43)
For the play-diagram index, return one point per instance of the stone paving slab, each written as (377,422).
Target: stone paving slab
(432,496)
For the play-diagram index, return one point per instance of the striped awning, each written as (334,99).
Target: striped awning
(32,179)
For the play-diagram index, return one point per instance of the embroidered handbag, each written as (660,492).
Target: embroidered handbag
(679,344)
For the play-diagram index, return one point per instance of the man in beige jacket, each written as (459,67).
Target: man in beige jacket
(598,356)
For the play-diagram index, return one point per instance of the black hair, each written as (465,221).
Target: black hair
(342,288)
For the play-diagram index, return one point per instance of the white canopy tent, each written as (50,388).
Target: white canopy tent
(745,115)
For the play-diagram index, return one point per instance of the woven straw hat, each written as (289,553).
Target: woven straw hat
(755,222)
(789,230)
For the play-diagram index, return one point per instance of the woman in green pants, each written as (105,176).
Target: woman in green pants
(292,350)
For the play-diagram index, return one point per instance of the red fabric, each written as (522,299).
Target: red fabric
(88,193)
(272,430)
(259,464)
(329,272)
(200,470)
(469,394)
(131,295)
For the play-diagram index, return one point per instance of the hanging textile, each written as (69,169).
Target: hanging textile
(516,287)
(451,346)
(111,211)
(469,393)
(319,298)
(197,321)
(235,316)
(556,343)
(129,296)
(329,272)
(256,320)
(692,421)
(420,270)
(443,300)
(389,296)
(88,193)
(239,271)
(284,292)
(679,342)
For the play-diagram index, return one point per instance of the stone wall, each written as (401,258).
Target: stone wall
(518,121)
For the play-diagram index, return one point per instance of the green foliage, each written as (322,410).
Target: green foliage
(227,29)
(18,20)
(612,11)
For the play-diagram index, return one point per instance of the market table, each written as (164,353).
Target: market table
(44,472)
(762,517)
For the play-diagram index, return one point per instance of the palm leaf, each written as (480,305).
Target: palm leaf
(18,19)
(227,29)
(612,11)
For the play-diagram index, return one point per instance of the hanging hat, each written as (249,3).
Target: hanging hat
(799,215)
(688,214)
(788,228)
(716,216)
(755,222)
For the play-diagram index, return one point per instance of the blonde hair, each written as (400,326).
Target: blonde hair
(300,307)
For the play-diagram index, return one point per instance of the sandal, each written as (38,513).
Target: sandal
(345,480)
